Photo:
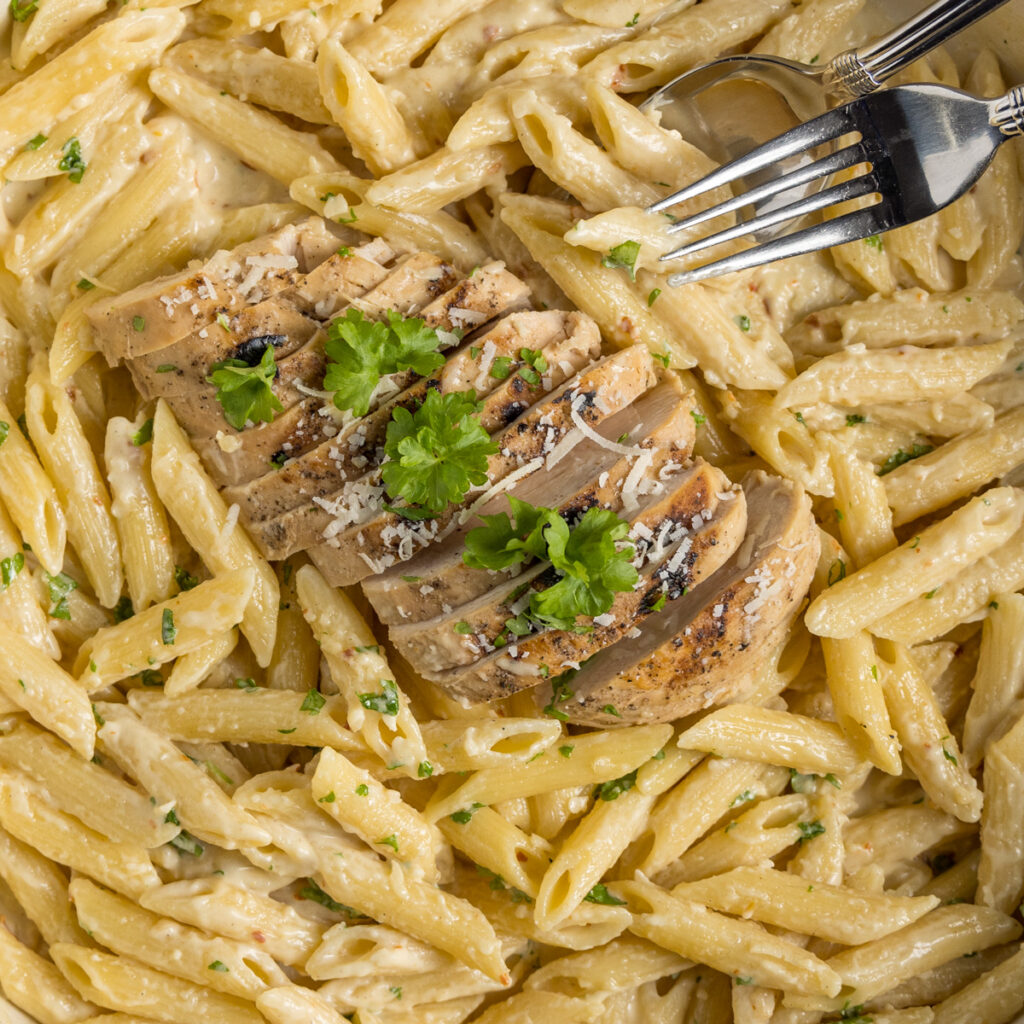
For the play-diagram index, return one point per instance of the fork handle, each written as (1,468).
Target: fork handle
(1007,113)
(858,72)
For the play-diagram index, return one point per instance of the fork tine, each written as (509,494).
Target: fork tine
(838,161)
(829,125)
(853,189)
(848,227)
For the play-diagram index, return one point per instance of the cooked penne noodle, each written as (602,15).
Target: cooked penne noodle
(1000,871)
(928,747)
(917,566)
(192,501)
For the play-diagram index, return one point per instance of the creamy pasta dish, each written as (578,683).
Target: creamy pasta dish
(413,609)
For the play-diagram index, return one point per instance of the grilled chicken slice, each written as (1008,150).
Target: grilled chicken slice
(590,474)
(287,320)
(411,289)
(158,313)
(681,535)
(701,653)
(569,341)
(376,541)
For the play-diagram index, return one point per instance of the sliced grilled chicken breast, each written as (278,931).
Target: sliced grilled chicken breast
(161,312)
(411,289)
(681,535)
(701,653)
(377,541)
(287,320)
(591,473)
(568,340)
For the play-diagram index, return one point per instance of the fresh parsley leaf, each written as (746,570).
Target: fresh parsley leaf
(59,587)
(600,894)
(71,152)
(505,542)
(245,392)
(438,452)
(899,457)
(362,351)
(385,702)
(144,434)
(595,565)
(9,569)
(623,257)
(613,789)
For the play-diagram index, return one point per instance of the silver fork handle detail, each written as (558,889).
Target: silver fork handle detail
(1008,112)
(858,72)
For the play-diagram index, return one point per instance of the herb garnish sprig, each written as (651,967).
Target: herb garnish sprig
(362,351)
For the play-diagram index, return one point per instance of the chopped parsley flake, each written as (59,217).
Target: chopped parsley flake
(59,587)
(37,140)
(501,367)
(245,392)
(311,891)
(362,789)
(313,702)
(249,685)
(854,418)
(184,579)
(810,829)
(463,628)
(144,434)
(600,894)
(327,798)
(9,569)
(138,323)
(185,842)
(836,572)
(425,770)
(217,965)
(874,241)
(168,631)
(566,749)
(560,693)
(613,789)
(71,158)
(385,702)
(623,257)
(462,817)
(653,297)
(743,322)
(899,457)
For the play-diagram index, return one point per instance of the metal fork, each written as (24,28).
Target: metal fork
(925,145)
